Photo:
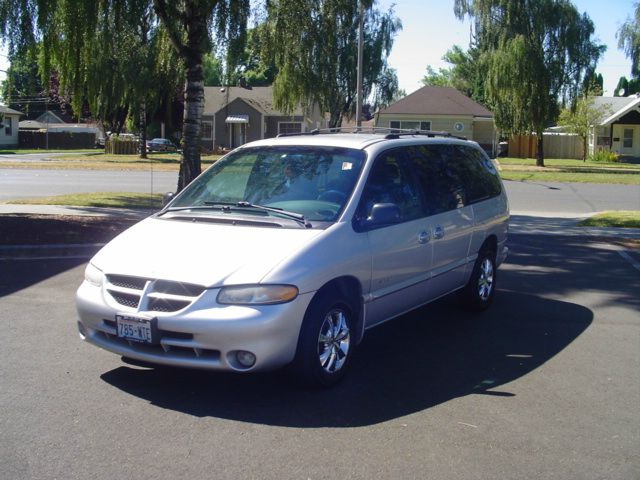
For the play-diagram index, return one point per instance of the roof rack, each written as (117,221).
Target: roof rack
(391,133)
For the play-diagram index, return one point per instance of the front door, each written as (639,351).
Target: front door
(627,139)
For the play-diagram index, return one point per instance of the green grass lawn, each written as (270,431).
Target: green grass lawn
(621,218)
(99,199)
(101,161)
(22,151)
(568,170)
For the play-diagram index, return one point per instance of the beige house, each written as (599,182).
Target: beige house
(234,116)
(9,119)
(442,109)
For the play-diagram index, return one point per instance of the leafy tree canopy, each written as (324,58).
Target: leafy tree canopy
(536,54)
(629,41)
(314,47)
(626,87)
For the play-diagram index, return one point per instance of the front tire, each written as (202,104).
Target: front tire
(326,341)
(478,294)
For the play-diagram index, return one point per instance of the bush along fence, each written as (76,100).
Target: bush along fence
(121,146)
(57,140)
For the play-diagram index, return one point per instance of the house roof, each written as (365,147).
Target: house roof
(260,98)
(616,106)
(8,110)
(437,101)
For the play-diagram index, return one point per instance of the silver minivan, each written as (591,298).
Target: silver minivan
(287,250)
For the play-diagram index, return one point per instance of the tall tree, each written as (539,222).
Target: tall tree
(465,74)
(629,41)
(68,27)
(314,44)
(188,24)
(626,87)
(536,54)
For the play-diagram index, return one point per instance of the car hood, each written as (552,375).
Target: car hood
(202,253)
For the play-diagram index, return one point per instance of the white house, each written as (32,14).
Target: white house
(619,129)
(9,127)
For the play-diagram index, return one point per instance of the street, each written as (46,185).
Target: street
(543,385)
(577,198)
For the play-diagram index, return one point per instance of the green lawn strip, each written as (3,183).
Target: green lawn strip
(621,218)
(566,164)
(23,151)
(577,177)
(99,199)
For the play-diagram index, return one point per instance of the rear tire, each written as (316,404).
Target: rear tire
(326,341)
(478,294)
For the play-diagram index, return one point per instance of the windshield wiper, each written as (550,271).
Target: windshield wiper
(227,206)
(294,216)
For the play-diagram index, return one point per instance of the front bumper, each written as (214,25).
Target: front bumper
(203,335)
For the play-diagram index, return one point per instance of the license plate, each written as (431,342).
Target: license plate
(137,329)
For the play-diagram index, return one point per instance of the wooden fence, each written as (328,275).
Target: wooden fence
(121,146)
(556,145)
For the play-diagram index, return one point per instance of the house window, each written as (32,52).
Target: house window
(207,130)
(627,141)
(289,127)
(7,125)
(409,125)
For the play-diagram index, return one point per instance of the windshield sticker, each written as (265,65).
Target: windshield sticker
(347,165)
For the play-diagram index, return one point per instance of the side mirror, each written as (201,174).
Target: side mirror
(381,215)
(166,198)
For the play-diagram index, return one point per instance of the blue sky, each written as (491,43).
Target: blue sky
(430,29)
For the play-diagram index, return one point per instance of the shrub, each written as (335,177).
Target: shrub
(604,156)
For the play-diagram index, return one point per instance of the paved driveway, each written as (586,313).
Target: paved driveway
(544,385)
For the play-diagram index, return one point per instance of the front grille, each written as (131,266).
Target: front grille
(178,288)
(166,305)
(125,299)
(125,281)
(161,295)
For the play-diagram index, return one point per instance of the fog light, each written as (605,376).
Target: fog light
(246,359)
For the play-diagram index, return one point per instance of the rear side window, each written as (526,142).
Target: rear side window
(480,178)
(439,176)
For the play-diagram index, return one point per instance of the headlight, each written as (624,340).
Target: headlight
(93,275)
(257,294)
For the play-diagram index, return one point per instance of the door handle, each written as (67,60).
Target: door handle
(438,232)
(424,237)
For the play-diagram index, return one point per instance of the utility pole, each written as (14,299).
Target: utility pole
(360,53)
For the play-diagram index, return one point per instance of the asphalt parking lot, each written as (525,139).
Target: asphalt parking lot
(546,384)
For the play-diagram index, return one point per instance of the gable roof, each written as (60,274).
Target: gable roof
(437,101)
(10,111)
(260,98)
(618,106)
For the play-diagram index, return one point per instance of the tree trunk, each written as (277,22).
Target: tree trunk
(197,36)
(143,130)
(540,152)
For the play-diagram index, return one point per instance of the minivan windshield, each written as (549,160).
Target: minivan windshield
(312,181)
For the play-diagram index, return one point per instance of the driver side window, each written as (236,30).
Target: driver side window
(390,182)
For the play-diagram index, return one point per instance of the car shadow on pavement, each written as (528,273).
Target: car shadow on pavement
(432,355)
(16,275)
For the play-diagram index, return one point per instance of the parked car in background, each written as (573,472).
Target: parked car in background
(287,249)
(160,145)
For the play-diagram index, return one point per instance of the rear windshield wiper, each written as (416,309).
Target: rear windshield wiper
(294,216)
